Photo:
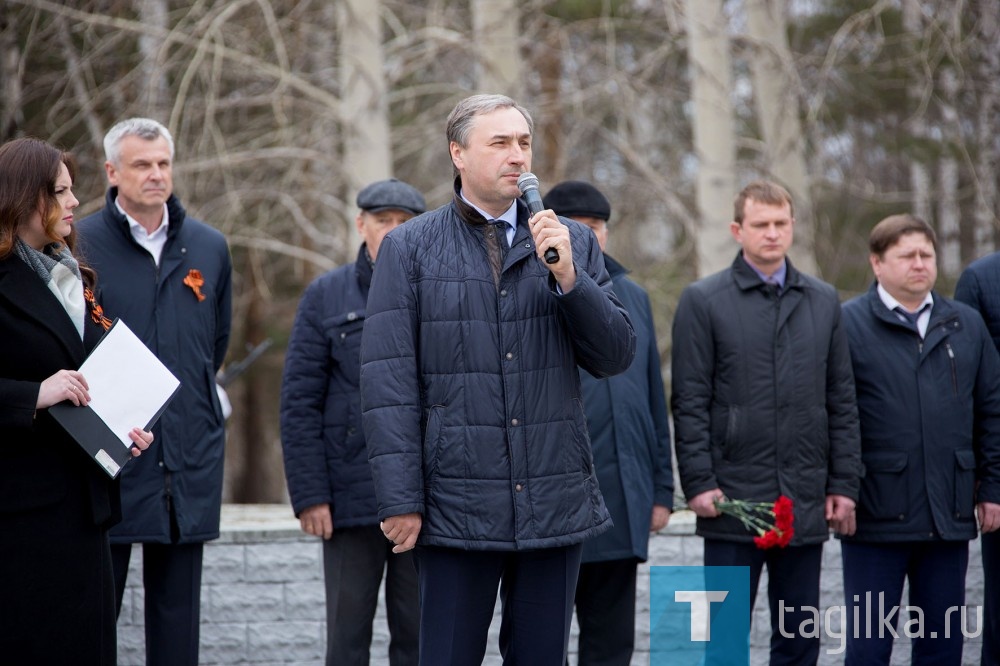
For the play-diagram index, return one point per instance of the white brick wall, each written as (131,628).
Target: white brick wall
(262,596)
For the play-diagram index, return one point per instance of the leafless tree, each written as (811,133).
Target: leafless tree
(714,130)
(778,98)
(281,109)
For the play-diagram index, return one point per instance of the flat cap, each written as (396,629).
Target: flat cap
(391,194)
(575,198)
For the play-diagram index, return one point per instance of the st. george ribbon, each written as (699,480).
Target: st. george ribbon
(527,182)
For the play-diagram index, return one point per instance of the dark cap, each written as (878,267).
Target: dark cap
(391,194)
(575,198)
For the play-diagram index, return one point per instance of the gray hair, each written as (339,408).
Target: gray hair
(144,128)
(460,119)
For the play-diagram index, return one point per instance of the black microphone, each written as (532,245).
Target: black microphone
(527,182)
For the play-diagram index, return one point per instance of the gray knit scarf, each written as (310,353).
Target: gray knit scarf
(61,274)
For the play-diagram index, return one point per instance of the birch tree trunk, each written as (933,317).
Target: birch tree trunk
(987,207)
(11,115)
(497,38)
(776,93)
(154,96)
(714,133)
(367,147)
(948,211)
(326,134)
(920,178)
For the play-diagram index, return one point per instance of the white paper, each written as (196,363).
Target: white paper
(127,383)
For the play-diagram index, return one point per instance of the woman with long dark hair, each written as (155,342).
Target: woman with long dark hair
(56,504)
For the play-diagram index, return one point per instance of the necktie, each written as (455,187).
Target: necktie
(500,228)
(772,286)
(911,317)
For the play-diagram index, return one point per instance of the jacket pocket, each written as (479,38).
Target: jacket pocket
(581,436)
(725,430)
(432,445)
(965,484)
(885,486)
(214,400)
(345,341)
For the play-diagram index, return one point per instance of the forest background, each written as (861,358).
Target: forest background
(282,109)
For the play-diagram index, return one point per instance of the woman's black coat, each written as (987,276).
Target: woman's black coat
(56,503)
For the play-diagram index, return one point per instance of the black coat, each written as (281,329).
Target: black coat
(630,434)
(469,383)
(763,397)
(322,439)
(56,503)
(189,336)
(930,420)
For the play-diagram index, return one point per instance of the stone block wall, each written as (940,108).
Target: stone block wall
(262,597)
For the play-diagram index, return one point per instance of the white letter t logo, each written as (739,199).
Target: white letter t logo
(701,601)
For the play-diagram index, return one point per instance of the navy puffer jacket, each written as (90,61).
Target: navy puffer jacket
(470,388)
(326,461)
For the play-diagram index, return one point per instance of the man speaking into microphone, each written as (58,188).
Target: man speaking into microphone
(471,397)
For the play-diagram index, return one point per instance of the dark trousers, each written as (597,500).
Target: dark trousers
(936,573)
(353,562)
(792,591)
(605,611)
(990,543)
(458,591)
(171,579)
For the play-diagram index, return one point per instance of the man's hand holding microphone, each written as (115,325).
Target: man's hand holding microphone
(551,236)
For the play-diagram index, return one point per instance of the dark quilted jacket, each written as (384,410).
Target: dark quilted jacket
(469,383)
(763,397)
(326,461)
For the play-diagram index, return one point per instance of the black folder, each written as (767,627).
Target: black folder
(89,428)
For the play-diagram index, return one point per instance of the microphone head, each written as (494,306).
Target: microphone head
(527,181)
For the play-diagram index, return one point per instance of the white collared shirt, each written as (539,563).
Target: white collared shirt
(925,315)
(152,242)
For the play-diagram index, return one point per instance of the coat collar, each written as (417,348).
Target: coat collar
(26,292)
(789,298)
(363,269)
(943,311)
(470,215)
(521,246)
(175,213)
(746,278)
(615,269)
(943,322)
(173,255)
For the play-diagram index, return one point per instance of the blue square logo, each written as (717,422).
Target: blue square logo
(699,615)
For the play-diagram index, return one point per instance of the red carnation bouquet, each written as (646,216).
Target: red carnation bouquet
(772,521)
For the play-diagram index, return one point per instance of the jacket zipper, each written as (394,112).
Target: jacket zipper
(951,357)
(954,369)
(168,492)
